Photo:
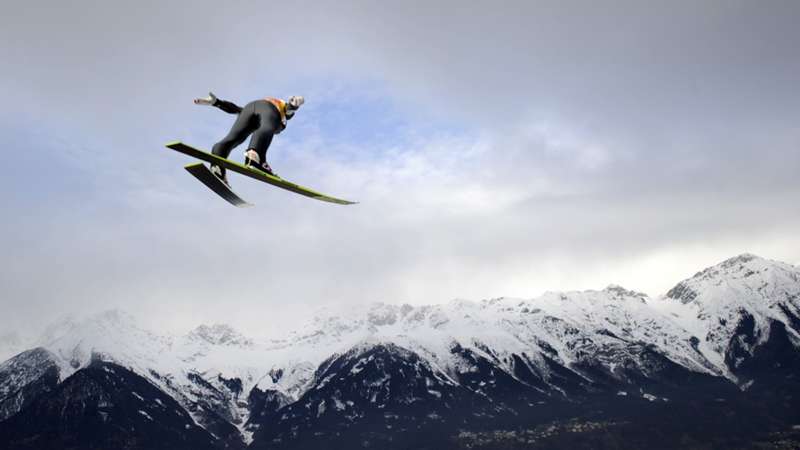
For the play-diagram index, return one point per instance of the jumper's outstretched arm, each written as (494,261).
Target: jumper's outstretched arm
(212,100)
(228,107)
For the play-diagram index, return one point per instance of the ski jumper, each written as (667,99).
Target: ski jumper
(260,119)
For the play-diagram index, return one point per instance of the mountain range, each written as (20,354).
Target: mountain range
(713,363)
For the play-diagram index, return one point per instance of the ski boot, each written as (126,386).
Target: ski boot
(253,161)
(219,172)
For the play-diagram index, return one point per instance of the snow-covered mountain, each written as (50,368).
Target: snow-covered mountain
(734,307)
(454,366)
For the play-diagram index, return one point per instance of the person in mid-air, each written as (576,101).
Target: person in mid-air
(261,119)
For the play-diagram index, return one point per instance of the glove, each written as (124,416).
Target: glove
(210,100)
(295,101)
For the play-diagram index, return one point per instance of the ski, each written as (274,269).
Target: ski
(202,173)
(254,174)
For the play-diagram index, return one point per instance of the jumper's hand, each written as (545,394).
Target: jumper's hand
(210,100)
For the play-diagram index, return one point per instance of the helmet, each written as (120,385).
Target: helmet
(295,101)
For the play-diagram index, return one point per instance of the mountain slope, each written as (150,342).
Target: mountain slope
(720,342)
(739,309)
(25,377)
(103,405)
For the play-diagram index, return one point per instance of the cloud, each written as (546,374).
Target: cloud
(495,151)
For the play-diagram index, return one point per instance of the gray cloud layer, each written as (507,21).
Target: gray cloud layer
(628,142)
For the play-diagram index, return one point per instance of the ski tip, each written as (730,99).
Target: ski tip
(336,200)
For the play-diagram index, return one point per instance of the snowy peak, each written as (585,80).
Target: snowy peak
(109,335)
(115,321)
(381,314)
(220,334)
(744,276)
(620,293)
(738,306)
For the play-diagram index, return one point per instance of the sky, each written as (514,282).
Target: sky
(496,149)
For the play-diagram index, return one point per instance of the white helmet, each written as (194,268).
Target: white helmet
(295,101)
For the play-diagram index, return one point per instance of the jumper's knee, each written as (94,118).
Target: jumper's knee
(222,148)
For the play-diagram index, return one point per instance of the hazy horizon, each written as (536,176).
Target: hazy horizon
(31,337)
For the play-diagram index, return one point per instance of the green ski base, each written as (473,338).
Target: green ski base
(255,174)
